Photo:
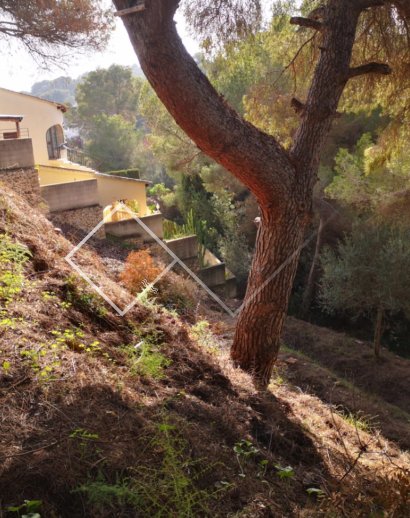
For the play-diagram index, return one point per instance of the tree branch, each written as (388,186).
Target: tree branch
(306,22)
(253,157)
(370,68)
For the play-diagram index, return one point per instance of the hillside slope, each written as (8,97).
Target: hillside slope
(105,416)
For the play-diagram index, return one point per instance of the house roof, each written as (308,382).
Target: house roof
(59,106)
(11,118)
(123,178)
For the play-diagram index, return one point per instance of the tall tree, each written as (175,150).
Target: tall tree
(112,91)
(369,274)
(281,180)
(47,27)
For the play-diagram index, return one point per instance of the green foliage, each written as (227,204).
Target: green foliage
(147,361)
(158,490)
(111,91)
(104,496)
(79,295)
(370,269)
(158,190)
(85,440)
(202,333)
(13,257)
(284,473)
(145,357)
(192,226)
(369,274)
(367,179)
(245,448)
(113,142)
(28,509)
(60,90)
(232,243)
(244,451)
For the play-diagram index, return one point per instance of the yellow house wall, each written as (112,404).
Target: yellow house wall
(115,189)
(110,189)
(53,175)
(38,117)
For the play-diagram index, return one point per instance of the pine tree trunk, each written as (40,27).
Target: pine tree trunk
(378,332)
(259,327)
(281,180)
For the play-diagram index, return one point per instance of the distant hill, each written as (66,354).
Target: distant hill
(61,90)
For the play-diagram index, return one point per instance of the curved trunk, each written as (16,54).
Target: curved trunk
(281,180)
(259,327)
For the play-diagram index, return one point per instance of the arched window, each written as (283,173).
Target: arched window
(55,139)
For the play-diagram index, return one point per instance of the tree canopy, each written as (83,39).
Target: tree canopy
(47,27)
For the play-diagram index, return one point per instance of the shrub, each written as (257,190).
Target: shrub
(13,256)
(139,271)
(179,294)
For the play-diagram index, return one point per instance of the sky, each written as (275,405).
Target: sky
(19,71)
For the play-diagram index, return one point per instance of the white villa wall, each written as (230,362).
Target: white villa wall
(38,116)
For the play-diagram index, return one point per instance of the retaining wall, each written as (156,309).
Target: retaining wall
(16,153)
(73,195)
(131,228)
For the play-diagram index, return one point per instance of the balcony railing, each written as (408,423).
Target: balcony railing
(13,133)
(79,157)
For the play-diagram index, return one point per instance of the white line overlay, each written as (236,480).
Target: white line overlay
(176,260)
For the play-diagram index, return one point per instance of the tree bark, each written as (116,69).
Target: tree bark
(281,181)
(378,332)
(259,327)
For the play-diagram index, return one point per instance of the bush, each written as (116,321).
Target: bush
(139,271)
(179,294)
(13,256)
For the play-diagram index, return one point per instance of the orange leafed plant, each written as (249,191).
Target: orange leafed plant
(139,271)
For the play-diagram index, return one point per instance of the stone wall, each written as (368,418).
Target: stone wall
(77,223)
(16,153)
(128,228)
(24,182)
(72,195)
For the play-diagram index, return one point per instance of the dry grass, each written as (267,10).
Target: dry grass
(93,418)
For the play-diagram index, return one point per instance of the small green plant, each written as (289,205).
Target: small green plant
(10,322)
(103,496)
(162,490)
(262,468)
(45,358)
(79,295)
(28,509)
(84,439)
(316,492)
(13,257)
(284,473)
(358,421)
(146,360)
(244,449)
(203,335)
(6,366)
